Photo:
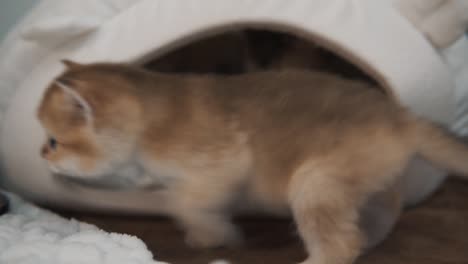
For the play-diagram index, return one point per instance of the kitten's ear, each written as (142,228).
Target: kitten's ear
(78,103)
(69,64)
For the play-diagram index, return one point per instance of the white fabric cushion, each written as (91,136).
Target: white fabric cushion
(441,21)
(456,57)
(68,19)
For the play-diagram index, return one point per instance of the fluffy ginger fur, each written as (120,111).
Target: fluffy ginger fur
(308,143)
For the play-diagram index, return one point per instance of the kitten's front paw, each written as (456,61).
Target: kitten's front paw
(227,237)
(308,261)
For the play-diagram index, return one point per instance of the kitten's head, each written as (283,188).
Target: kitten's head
(91,119)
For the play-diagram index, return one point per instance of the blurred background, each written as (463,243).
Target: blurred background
(11,11)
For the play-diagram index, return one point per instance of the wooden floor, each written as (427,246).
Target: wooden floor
(433,233)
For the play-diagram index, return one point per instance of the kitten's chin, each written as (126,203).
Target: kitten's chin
(54,169)
(71,168)
(57,170)
(109,182)
(124,178)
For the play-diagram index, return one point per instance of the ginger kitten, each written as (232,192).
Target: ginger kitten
(308,143)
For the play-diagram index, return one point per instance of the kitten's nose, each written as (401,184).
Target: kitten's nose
(44,151)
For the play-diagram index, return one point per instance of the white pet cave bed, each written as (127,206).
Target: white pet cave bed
(414,49)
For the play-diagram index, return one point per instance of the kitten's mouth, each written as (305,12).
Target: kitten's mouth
(103,183)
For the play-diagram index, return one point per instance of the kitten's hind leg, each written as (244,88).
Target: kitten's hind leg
(326,214)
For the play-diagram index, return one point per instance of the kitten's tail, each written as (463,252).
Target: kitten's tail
(441,147)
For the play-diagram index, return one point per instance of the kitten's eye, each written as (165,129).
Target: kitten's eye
(52,143)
